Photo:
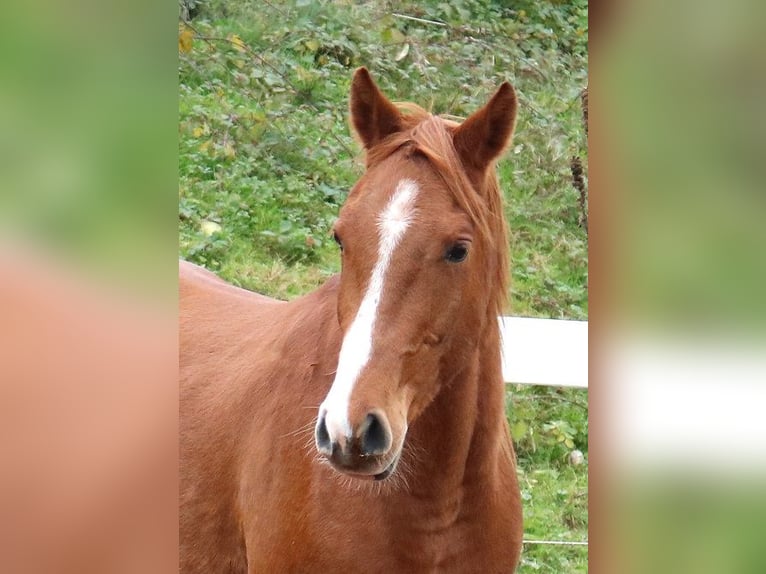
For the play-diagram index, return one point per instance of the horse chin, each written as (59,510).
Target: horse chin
(373,476)
(389,470)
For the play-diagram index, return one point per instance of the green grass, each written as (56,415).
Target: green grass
(554,492)
(266,159)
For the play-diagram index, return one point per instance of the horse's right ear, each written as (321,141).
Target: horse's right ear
(481,138)
(372,115)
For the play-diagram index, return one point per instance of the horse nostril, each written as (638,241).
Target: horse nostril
(375,435)
(324,444)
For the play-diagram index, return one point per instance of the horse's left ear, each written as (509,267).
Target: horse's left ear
(482,137)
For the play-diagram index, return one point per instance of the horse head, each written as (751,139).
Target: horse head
(424,270)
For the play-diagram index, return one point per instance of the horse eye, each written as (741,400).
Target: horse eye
(456,253)
(337,240)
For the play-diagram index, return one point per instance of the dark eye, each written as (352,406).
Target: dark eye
(337,240)
(456,253)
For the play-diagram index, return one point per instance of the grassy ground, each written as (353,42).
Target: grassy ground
(266,160)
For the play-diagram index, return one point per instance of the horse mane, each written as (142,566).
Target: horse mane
(482,201)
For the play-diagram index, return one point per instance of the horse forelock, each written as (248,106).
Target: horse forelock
(432,137)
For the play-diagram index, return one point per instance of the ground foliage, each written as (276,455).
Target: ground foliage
(266,159)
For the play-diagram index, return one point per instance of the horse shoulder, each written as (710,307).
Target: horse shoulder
(250,368)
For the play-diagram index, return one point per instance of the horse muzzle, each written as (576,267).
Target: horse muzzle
(366,453)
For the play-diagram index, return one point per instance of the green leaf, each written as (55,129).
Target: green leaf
(402,53)
(518,430)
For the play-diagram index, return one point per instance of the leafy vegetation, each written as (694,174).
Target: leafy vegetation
(267,158)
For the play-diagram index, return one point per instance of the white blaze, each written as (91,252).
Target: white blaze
(357,343)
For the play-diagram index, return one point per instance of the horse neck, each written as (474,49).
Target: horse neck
(463,431)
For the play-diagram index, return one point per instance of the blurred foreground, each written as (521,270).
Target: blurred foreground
(88,359)
(678,267)
(88,424)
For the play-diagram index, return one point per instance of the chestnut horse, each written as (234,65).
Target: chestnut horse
(361,428)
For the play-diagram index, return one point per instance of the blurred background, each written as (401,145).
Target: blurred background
(88,252)
(678,341)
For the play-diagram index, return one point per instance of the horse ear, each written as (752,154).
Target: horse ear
(482,137)
(372,115)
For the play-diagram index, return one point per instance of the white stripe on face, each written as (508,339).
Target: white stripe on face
(357,344)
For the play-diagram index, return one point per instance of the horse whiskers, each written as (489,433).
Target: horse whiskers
(399,481)
(305,428)
(310,447)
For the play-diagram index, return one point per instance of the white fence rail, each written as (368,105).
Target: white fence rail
(548,352)
(545,352)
